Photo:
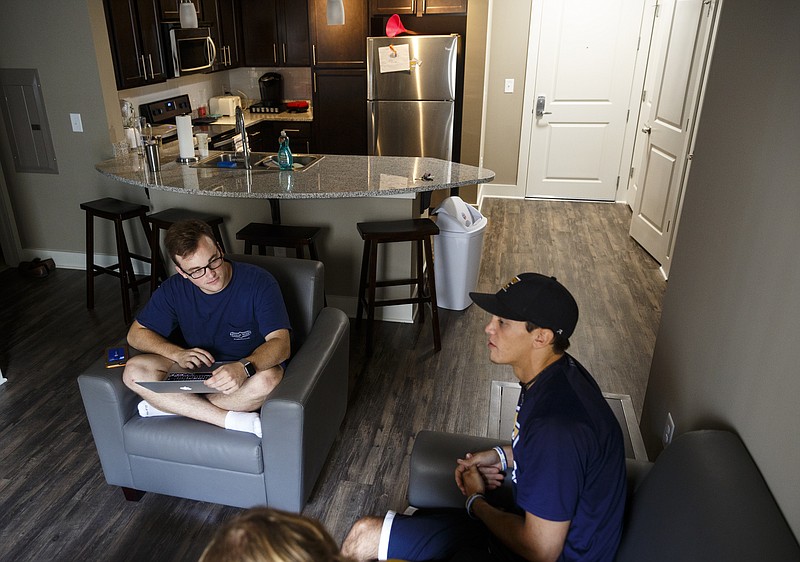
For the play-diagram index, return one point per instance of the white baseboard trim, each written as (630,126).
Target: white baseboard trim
(403,313)
(77,260)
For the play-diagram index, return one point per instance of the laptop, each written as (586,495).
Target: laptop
(188,381)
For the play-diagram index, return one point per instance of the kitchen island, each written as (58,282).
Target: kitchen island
(335,193)
(331,177)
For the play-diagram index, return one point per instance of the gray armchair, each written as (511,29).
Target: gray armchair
(186,458)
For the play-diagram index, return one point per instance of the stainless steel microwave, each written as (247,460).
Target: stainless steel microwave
(192,50)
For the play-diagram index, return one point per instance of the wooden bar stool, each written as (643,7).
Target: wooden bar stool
(279,236)
(117,211)
(162,220)
(419,231)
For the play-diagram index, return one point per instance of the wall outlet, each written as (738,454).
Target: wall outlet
(509,86)
(669,430)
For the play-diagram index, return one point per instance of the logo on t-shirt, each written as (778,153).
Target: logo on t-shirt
(241,336)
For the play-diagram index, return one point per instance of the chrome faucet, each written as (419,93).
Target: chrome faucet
(241,130)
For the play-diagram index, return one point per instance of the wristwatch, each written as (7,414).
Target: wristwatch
(249,368)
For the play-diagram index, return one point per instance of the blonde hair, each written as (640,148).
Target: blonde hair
(270,535)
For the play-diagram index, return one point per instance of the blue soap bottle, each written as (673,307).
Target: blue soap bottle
(285,158)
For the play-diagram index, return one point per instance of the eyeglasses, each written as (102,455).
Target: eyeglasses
(213,263)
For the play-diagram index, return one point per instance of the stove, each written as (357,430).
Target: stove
(166,110)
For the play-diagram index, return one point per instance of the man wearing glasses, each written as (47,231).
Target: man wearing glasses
(230,315)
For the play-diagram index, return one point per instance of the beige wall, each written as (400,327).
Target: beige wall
(510,23)
(56,39)
(726,352)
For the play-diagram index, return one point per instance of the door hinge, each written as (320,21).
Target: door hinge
(638,42)
(669,222)
(628,116)
(644,95)
(617,182)
(631,174)
(657,7)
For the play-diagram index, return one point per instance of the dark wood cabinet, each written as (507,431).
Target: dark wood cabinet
(263,136)
(417,7)
(136,47)
(275,33)
(226,31)
(340,111)
(169,10)
(339,45)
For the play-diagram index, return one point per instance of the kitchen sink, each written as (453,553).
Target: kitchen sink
(261,161)
(301,161)
(230,160)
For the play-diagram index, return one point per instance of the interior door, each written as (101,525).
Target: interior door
(584,73)
(678,56)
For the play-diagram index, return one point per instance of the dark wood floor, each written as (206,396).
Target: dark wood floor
(55,504)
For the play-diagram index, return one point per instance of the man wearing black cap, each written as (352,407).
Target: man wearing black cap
(566,460)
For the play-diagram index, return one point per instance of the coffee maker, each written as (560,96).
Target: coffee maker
(271,86)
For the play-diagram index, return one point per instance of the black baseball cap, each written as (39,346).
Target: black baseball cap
(536,298)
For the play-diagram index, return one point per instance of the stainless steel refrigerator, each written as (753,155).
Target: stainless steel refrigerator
(411,112)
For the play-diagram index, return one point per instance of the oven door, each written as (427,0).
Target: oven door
(193,50)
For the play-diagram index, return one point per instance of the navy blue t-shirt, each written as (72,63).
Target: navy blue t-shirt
(569,459)
(229,324)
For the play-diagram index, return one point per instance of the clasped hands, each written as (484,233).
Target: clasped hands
(227,378)
(479,472)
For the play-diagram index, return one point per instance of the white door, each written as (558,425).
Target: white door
(678,56)
(584,71)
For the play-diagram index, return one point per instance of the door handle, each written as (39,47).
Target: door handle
(540,102)
(646,129)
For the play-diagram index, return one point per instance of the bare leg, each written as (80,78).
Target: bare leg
(149,367)
(361,543)
(252,394)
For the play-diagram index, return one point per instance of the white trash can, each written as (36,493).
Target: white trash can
(457,252)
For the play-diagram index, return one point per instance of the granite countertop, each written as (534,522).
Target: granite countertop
(333,176)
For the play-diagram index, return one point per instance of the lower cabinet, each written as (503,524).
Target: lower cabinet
(263,136)
(340,111)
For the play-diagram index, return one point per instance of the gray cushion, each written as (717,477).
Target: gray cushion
(704,499)
(179,439)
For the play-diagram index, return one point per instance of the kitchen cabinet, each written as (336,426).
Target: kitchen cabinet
(136,47)
(226,31)
(263,136)
(275,32)
(417,7)
(340,111)
(339,46)
(169,10)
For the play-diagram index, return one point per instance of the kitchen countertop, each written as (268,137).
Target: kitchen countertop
(333,176)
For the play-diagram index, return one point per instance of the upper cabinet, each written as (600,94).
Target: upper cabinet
(417,7)
(226,31)
(275,33)
(169,10)
(339,46)
(135,36)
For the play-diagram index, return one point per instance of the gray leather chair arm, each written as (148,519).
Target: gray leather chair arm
(301,417)
(431,480)
(109,405)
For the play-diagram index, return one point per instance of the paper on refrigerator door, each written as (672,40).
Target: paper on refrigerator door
(394,58)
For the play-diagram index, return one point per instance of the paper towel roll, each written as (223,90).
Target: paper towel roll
(185,138)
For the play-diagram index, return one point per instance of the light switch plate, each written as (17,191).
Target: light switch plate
(77,124)
(509,86)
